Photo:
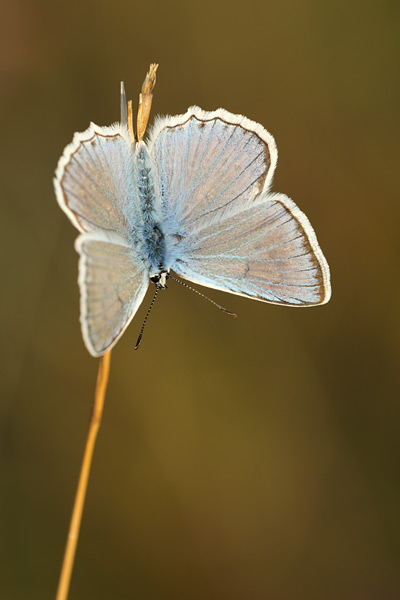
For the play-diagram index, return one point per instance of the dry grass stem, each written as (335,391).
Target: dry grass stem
(145,100)
(73,534)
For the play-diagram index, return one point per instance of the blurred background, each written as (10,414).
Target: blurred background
(255,458)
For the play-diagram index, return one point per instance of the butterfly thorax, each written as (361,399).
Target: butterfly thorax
(153,238)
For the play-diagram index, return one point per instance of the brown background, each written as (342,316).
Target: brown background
(255,458)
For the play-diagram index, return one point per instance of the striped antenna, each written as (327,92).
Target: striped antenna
(228,312)
(145,320)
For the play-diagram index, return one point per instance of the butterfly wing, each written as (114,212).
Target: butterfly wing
(268,252)
(215,171)
(113,283)
(95,187)
(94,181)
(208,161)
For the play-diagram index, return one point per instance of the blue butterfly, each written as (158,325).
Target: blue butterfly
(194,199)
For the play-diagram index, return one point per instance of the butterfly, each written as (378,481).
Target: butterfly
(193,199)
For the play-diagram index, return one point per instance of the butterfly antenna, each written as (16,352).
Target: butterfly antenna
(145,320)
(228,312)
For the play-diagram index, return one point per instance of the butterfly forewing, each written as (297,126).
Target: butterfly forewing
(95,181)
(113,283)
(207,161)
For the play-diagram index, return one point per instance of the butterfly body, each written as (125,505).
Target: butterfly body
(152,238)
(194,199)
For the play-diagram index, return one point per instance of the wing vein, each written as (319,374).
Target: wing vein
(212,165)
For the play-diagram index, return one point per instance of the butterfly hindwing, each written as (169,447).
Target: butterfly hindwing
(267,251)
(113,283)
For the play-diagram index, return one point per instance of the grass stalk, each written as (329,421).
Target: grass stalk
(76,518)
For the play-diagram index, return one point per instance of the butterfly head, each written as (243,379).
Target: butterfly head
(160,279)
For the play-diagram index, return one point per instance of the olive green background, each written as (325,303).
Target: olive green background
(250,458)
